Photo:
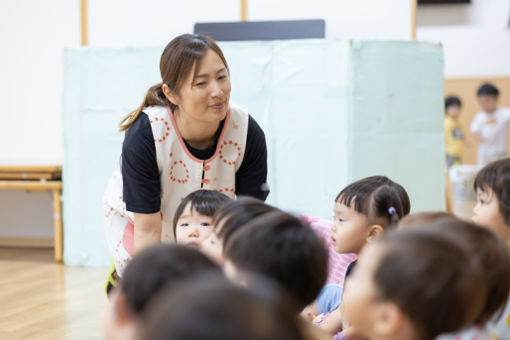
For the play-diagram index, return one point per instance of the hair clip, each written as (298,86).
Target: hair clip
(392,210)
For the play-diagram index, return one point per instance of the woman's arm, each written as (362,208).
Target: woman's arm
(252,175)
(147,230)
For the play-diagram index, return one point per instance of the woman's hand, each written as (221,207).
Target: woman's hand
(147,230)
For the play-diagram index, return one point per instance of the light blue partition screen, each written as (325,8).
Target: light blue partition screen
(333,111)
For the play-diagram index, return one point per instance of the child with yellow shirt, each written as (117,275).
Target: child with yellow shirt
(454,134)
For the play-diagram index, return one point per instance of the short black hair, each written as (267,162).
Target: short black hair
(209,308)
(452,101)
(157,267)
(285,249)
(374,196)
(205,202)
(487,89)
(237,213)
(496,177)
(431,278)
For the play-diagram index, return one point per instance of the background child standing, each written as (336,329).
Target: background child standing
(454,134)
(490,125)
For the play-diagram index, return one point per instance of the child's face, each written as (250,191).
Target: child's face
(192,227)
(453,111)
(488,103)
(359,296)
(350,229)
(213,247)
(116,322)
(487,213)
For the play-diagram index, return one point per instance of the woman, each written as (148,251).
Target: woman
(185,136)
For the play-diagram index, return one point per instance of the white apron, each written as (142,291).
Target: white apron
(180,174)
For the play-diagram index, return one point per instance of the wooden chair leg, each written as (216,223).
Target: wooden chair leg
(57,219)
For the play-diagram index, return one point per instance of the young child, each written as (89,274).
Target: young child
(147,274)
(413,285)
(284,248)
(490,126)
(486,249)
(454,134)
(364,210)
(492,186)
(193,219)
(206,308)
(229,218)
(191,225)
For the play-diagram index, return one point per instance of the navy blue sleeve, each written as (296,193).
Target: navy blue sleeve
(140,174)
(252,174)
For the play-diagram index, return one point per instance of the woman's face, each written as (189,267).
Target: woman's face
(205,97)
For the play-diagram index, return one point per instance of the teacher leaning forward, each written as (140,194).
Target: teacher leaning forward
(185,136)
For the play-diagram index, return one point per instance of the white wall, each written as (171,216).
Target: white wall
(34,33)
(475,37)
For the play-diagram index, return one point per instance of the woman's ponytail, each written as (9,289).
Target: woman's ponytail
(154,96)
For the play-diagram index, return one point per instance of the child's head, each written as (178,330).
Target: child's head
(491,254)
(206,308)
(413,284)
(281,247)
(423,218)
(492,186)
(229,218)
(452,106)
(364,209)
(148,273)
(488,95)
(193,217)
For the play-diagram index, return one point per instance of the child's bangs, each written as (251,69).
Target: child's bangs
(354,197)
(206,207)
(485,181)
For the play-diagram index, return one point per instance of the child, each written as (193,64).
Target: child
(148,273)
(413,285)
(364,210)
(492,186)
(486,249)
(206,308)
(424,218)
(229,218)
(490,126)
(192,223)
(283,248)
(454,135)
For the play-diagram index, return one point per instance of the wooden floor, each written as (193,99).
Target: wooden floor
(43,300)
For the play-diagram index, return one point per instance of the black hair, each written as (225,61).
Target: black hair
(285,249)
(157,267)
(209,308)
(205,202)
(452,101)
(377,197)
(233,215)
(496,177)
(487,89)
(432,280)
(490,253)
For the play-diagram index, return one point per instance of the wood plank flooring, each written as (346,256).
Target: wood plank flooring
(42,300)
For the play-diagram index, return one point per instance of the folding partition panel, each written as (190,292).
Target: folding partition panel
(333,111)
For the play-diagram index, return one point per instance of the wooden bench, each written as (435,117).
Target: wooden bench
(39,178)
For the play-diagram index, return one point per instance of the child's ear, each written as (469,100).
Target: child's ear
(174,99)
(374,232)
(389,320)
